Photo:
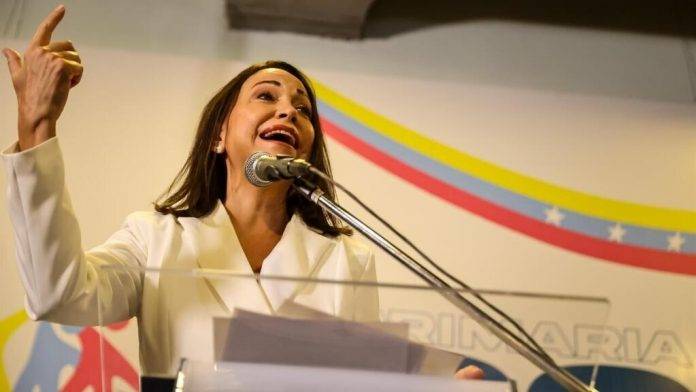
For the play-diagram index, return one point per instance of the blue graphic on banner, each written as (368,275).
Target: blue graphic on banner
(49,355)
(612,378)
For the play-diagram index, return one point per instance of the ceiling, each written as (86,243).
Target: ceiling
(355,19)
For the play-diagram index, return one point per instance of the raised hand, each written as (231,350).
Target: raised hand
(42,79)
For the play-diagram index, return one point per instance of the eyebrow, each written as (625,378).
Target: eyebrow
(277,83)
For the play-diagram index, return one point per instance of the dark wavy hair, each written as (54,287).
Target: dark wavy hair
(202,180)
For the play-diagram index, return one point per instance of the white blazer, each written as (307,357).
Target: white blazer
(64,285)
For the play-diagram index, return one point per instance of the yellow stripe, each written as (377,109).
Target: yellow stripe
(8,326)
(608,209)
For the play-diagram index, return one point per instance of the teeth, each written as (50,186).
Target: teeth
(282,132)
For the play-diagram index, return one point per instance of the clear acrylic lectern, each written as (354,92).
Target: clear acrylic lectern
(212,330)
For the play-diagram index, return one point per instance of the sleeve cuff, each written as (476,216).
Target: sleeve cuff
(13,149)
(44,160)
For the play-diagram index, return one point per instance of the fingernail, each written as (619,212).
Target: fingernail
(60,6)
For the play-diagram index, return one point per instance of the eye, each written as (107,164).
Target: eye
(305,110)
(265,96)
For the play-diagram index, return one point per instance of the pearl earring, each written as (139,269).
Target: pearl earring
(219,148)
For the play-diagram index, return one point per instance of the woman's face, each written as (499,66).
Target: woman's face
(272,114)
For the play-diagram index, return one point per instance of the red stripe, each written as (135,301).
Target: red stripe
(581,243)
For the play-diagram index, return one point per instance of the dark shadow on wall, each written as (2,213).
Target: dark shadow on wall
(387,18)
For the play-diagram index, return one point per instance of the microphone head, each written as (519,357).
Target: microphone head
(250,169)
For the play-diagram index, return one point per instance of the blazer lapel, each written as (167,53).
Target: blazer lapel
(217,248)
(299,253)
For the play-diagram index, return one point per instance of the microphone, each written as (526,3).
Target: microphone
(262,168)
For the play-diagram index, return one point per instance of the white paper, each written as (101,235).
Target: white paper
(326,341)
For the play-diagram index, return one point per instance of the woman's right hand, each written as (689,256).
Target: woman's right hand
(42,79)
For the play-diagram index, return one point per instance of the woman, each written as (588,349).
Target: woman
(211,217)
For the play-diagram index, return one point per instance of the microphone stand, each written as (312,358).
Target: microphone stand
(562,376)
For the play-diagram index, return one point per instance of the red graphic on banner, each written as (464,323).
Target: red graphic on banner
(88,371)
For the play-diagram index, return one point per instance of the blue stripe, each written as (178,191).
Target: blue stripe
(573,221)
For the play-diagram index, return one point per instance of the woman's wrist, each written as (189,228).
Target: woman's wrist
(33,133)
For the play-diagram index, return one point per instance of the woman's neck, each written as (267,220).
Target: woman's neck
(252,207)
(259,217)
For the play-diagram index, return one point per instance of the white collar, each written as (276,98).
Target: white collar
(299,253)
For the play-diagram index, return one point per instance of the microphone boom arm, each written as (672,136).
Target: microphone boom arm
(560,375)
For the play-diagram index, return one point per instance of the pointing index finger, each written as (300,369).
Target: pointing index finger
(43,33)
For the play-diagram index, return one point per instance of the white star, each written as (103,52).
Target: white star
(616,232)
(554,216)
(675,242)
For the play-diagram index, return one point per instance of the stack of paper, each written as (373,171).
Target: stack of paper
(326,341)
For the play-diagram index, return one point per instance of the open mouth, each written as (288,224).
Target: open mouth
(280,134)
